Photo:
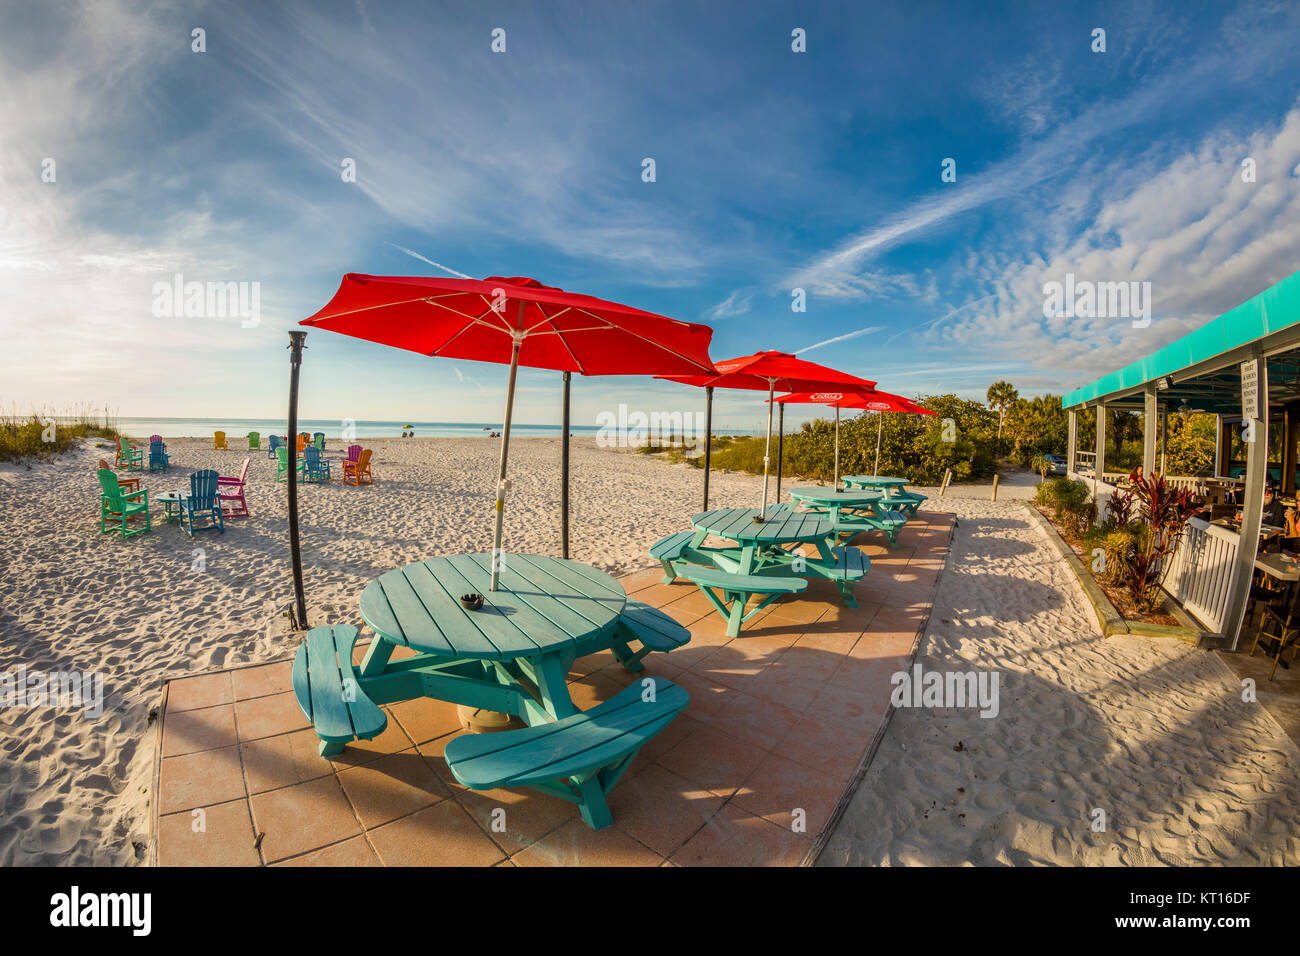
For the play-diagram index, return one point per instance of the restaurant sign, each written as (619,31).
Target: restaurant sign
(1250,389)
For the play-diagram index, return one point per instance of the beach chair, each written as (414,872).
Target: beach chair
(354,453)
(128,457)
(127,484)
(282,463)
(314,468)
(273,443)
(219,440)
(232,490)
(254,441)
(1282,632)
(159,439)
(302,443)
(201,508)
(159,460)
(319,440)
(358,472)
(116,505)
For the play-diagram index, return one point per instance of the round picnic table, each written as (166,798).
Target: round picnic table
(781,525)
(834,499)
(511,655)
(171,501)
(873,481)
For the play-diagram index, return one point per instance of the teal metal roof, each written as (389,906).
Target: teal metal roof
(1274,309)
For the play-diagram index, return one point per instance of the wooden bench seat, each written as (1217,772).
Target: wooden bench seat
(652,628)
(326,687)
(579,758)
(723,589)
(886,521)
(670,549)
(907,501)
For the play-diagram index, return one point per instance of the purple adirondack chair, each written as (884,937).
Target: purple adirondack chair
(232,490)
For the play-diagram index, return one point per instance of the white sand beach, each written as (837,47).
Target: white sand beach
(1151,731)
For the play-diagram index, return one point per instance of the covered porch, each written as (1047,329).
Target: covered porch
(1242,370)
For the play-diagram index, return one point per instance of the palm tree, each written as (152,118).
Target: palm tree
(1002,395)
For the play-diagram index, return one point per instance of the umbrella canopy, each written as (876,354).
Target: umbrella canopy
(771,371)
(873,400)
(518,321)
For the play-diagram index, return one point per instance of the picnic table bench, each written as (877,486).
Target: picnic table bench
(760,558)
(511,655)
(895,495)
(853,511)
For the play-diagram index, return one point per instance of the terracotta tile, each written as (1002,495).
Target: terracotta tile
(353,852)
(267,716)
(425,718)
(713,760)
(392,787)
(781,787)
(735,837)
(262,681)
(682,727)
(834,748)
(591,663)
(194,730)
(576,844)
(391,741)
(226,837)
(192,693)
(810,662)
(707,695)
(305,816)
(789,688)
(762,723)
(660,808)
(440,835)
(863,706)
(272,762)
(593,689)
(433,751)
(200,779)
(526,815)
(641,580)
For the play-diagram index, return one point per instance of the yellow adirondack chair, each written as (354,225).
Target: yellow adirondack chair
(219,440)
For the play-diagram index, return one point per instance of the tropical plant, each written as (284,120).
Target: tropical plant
(1001,396)
(1164,511)
(1041,465)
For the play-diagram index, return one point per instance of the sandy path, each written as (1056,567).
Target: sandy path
(74,789)
(1153,732)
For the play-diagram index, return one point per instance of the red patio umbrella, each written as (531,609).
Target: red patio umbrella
(770,370)
(876,401)
(518,321)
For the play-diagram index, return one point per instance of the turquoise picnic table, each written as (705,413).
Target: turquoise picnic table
(894,491)
(759,558)
(511,655)
(854,510)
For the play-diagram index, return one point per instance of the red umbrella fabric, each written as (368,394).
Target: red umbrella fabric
(518,321)
(875,401)
(772,370)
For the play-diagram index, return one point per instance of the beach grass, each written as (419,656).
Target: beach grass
(41,433)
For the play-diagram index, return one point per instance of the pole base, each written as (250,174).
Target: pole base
(482,721)
(758,519)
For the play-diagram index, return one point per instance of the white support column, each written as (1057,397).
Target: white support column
(1149,417)
(1099,466)
(1072,443)
(1164,440)
(1218,446)
(1252,506)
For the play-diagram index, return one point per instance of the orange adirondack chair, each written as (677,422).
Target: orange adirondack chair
(302,442)
(355,471)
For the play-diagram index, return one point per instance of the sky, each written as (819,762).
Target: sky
(128,157)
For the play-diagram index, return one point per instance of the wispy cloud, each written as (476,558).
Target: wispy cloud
(840,338)
(438,265)
(738,303)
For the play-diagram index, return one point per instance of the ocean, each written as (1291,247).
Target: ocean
(239,427)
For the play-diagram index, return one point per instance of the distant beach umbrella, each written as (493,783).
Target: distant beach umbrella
(873,401)
(518,321)
(769,370)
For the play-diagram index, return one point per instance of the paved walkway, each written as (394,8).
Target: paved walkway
(750,773)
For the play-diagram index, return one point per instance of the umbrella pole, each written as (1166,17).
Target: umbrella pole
(880,426)
(767,451)
(837,448)
(295,546)
(708,439)
(497,557)
(780,448)
(564,476)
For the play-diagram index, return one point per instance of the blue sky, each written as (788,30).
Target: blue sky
(775,170)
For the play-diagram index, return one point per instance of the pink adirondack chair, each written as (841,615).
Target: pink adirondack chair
(232,490)
(157,438)
(354,453)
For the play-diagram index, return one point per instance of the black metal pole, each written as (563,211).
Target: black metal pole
(564,476)
(295,552)
(780,445)
(708,440)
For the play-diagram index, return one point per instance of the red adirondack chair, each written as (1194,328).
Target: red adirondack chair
(232,490)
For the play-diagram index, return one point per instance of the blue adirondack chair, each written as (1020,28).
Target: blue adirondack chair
(201,509)
(272,444)
(159,460)
(314,468)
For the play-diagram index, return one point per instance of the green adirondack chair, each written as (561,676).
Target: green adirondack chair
(128,457)
(117,505)
(282,464)
(254,441)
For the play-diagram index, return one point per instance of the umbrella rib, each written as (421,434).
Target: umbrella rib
(664,348)
(581,368)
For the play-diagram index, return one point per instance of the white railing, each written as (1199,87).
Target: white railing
(1200,572)
(1084,462)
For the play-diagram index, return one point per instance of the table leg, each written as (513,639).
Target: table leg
(552,671)
(377,656)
